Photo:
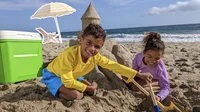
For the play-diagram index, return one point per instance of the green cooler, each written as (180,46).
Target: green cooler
(20,56)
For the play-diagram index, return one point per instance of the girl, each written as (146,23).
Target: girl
(150,61)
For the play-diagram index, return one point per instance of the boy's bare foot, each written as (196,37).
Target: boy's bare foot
(91,93)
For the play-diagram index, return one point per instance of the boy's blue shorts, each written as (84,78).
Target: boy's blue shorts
(53,82)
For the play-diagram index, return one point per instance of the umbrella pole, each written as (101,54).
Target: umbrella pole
(58,29)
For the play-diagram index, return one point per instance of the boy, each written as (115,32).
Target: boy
(62,73)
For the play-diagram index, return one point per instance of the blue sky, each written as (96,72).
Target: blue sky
(15,14)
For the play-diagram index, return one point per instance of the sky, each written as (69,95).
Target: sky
(15,14)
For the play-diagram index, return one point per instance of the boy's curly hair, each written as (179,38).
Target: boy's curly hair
(153,41)
(95,30)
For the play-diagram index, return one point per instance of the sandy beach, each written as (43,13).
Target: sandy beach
(182,62)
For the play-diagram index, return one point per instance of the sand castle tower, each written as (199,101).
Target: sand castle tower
(90,16)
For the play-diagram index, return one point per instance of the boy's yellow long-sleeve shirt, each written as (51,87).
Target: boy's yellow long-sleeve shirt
(69,66)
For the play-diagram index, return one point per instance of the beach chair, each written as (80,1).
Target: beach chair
(47,37)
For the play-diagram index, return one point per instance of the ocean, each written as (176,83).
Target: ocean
(169,33)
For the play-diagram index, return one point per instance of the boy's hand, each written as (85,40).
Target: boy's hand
(145,76)
(90,90)
(94,84)
(86,82)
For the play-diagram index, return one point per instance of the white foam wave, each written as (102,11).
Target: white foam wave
(67,39)
(139,37)
(165,37)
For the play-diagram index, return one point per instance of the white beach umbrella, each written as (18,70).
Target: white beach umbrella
(53,9)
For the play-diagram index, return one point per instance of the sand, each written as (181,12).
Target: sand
(182,61)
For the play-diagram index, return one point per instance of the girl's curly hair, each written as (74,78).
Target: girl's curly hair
(152,41)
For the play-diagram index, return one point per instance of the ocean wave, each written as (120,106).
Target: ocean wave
(139,37)
(165,37)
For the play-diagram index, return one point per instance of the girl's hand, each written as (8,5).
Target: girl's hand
(158,98)
(145,76)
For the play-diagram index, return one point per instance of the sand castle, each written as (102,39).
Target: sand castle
(90,16)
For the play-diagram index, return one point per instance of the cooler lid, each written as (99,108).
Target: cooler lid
(8,34)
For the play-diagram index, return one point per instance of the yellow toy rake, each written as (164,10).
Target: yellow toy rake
(161,106)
